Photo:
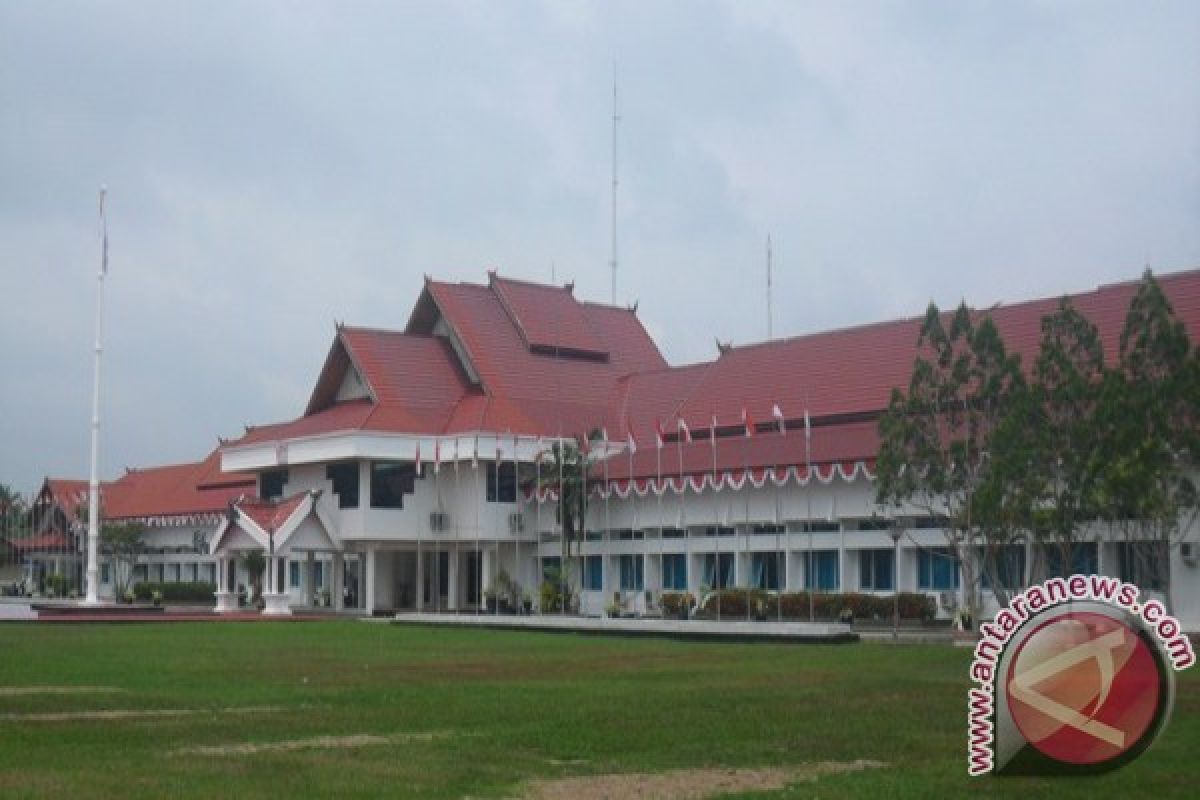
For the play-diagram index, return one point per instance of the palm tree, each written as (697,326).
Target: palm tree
(564,472)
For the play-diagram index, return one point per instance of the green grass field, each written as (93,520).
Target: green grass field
(503,708)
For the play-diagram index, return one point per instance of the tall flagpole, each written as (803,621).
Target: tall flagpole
(808,468)
(615,119)
(770,330)
(92,596)
(716,518)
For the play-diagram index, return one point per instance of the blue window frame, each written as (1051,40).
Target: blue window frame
(1084,560)
(294,574)
(876,570)
(674,571)
(937,569)
(632,572)
(767,570)
(593,573)
(821,567)
(723,578)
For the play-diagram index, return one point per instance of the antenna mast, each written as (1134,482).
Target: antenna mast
(615,119)
(770,330)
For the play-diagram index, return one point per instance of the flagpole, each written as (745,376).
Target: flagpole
(92,595)
(808,495)
(746,494)
(608,524)
(658,490)
(716,519)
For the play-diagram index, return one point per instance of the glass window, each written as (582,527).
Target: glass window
(1007,563)
(1083,556)
(318,574)
(390,481)
(632,577)
(344,477)
(208,573)
(821,526)
(173,573)
(821,567)
(294,574)
(937,569)
(772,528)
(723,578)
(551,568)
(104,577)
(674,571)
(593,573)
(876,569)
(1141,563)
(767,570)
(501,482)
(270,483)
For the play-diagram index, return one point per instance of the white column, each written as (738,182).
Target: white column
(310,578)
(337,581)
(452,581)
(368,582)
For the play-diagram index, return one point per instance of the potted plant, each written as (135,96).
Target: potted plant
(129,596)
(323,598)
(156,598)
(526,603)
(846,616)
(612,610)
(760,608)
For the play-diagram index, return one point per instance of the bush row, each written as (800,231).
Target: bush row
(183,592)
(826,605)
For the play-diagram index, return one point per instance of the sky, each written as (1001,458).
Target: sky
(275,167)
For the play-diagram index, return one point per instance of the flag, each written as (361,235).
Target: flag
(747,423)
(437,456)
(684,432)
(630,441)
(777,413)
(659,435)
(713,433)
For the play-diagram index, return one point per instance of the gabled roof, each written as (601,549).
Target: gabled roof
(173,490)
(548,318)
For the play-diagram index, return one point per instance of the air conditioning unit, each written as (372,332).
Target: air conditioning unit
(516,522)
(438,521)
(1187,551)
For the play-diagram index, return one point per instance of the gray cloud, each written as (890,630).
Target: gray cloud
(275,166)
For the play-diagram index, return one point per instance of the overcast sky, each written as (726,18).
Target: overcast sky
(273,167)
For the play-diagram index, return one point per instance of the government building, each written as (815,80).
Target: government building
(411,481)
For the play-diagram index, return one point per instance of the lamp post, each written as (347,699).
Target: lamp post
(896,531)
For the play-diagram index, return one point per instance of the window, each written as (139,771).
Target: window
(501,482)
(173,573)
(208,573)
(937,569)
(821,526)
(876,570)
(718,531)
(767,570)
(632,577)
(270,483)
(157,573)
(140,573)
(1082,556)
(344,477)
(593,573)
(551,569)
(390,481)
(1141,563)
(318,574)
(627,535)
(189,572)
(673,533)
(768,528)
(1007,564)
(294,574)
(872,524)
(821,567)
(674,571)
(104,577)
(722,578)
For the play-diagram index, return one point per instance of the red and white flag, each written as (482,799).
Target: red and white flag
(777,413)
(660,436)
(747,423)
(684,432)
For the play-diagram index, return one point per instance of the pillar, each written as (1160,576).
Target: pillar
(310,577)
(368,582)
(337,582)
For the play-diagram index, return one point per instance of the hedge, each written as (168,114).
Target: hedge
(677,604)
(182,592)
(826,605)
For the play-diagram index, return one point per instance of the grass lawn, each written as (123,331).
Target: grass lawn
(502,707)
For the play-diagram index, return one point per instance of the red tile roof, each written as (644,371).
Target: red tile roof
(547,317)
(268,514)
(166,491)
(48,542)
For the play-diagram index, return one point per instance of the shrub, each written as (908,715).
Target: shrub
(185,592)
(677,604)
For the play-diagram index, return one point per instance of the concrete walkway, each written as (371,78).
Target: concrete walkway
(739,630)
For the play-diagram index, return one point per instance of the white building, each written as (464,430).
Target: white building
(398,486)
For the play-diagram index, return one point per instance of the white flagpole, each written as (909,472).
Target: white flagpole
(808,494)
(608,521)
(658,445)
(716,519)
(92,595)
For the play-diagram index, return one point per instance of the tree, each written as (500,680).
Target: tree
(934,437)
(1045,454)
(123,542)
(12,516)
(564,473)
(1147,425)
(254,563)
